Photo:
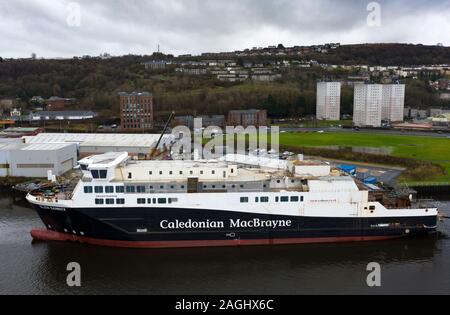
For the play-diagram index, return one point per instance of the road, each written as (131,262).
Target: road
(372,131)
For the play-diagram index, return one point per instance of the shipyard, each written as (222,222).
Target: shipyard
(203,153)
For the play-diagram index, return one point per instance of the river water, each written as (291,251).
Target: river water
(408,266)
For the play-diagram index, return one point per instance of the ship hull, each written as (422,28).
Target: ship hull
(174,227)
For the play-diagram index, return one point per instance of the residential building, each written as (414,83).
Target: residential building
(56,103)
(15,113)
(207,121)
(328,100)
(247,118)
(368,102)
(155,65)
(393,106)
(62,115)
(136,111)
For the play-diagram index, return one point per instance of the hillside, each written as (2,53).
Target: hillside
(95,82)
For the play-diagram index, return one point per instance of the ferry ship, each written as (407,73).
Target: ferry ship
(239,200)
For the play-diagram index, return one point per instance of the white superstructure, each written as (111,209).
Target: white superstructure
(113,180)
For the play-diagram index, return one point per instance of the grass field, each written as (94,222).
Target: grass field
(436,150)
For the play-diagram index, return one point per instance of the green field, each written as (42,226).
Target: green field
(436,150)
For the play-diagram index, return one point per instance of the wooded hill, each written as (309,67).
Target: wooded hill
(95,82)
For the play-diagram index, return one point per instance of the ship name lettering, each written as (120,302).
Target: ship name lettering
(174,225)
(258,223)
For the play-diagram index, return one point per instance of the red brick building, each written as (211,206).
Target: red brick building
(245,118)
(56,103)
(136,111)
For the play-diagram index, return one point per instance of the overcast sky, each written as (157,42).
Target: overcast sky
(53,28)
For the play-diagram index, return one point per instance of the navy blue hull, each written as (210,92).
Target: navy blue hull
(152,225)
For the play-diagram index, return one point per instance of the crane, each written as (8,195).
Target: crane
(155,149)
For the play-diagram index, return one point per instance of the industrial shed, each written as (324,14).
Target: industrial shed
(90,144)
(35,160)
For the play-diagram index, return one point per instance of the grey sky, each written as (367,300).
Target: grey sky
(50,27)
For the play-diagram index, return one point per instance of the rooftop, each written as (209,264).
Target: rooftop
(65,113)
(102,139)
(33,147)
(135,94)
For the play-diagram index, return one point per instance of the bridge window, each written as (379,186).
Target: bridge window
(99,189)
(95,174)
(109,189)
(120,189)
(140,189)
(131,189)
(103,174)
(88,190)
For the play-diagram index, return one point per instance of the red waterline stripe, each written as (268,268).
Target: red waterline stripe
(45,235)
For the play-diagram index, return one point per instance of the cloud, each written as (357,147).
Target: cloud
(194,26)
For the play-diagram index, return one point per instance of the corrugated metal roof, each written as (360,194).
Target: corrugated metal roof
(34,146)
(121,140)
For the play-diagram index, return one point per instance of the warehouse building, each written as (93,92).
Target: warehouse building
(90,144)
(35,160)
